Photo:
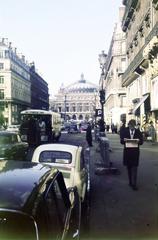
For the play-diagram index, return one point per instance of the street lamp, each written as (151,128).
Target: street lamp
(102,61)
(65,108)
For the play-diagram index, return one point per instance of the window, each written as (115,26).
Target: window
(51,213)
(1,79)
(1,93)
(55,157)
(1,65)
(1,54)
(47,218)
(6,54)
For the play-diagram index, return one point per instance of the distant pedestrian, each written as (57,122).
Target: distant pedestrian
(89,135)
(33,136)
(152,132)
(131,151)
(122,127)
(107,127)
(113,128)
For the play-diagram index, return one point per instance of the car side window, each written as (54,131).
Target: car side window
(48,216)
(62,209)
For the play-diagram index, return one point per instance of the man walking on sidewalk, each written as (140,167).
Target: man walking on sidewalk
(131,138)
(89,135)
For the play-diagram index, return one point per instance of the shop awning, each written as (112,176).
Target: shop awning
(142,100)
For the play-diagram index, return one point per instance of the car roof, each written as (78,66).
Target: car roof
(19,180)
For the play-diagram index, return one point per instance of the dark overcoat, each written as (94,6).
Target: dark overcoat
(89,135)
(131,155)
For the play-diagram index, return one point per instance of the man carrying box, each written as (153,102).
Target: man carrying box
(131,138)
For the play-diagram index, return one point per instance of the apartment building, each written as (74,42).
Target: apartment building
(21,87)
(140,24)
(39,90)
(115,104)
(15,83)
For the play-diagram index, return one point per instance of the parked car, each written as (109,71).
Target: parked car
(84,127)
(35,204)
(73,128)
(13,128)
(11,146)
(70,160)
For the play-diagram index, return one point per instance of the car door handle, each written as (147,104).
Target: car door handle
(76,234)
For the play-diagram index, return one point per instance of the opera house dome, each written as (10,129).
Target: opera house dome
(77,101)
(81,86)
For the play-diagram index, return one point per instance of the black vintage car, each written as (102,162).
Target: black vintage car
(11,146)
(35,204)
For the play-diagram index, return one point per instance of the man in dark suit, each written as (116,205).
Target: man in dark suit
(131,151)
(89,135)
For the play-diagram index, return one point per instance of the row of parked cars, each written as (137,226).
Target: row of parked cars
(45,195)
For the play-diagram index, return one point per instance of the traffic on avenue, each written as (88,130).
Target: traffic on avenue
(69,190)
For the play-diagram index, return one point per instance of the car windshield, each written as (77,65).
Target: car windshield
(60,157)
(9,226)
(7,139)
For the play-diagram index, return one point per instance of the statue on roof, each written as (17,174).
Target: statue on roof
(82,80)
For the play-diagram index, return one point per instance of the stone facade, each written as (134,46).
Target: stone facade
(20,86)
(15,83)
(140,24)
(77,101)
(115,104)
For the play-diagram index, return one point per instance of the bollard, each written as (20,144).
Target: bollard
(96,133)
(104,150)
(106,165)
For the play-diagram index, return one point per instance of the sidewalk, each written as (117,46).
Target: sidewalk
(117,211)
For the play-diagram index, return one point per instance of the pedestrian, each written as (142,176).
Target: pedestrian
(42,125)
(89,135)
(113,128)
(107,127)
(33,136)
(42,129)
(123,126)
(152,132)
(131,151)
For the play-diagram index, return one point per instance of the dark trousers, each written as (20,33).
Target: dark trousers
(132,175)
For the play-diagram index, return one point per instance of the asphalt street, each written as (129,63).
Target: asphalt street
(118,212)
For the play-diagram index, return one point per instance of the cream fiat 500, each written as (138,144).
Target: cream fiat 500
(70,160)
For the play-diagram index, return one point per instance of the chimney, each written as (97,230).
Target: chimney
(121,13)
(10,45)
(23,58)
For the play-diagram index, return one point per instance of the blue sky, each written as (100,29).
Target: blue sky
(62,37)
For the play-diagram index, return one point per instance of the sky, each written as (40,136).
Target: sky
(62,37)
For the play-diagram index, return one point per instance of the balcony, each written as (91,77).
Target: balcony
(135,69)
(129,10)
(130,74)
